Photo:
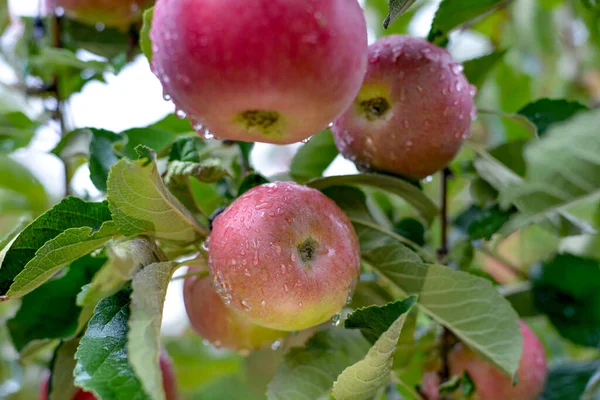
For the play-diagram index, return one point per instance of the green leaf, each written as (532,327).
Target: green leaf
(313,158)
(145,42)
(69,213)
(501,177)
(568,381)
(103,155)
(308,373)
(68,246)
(51,311)
(142,205)
(592,389)
(546,112)
(365,378)
(63,363)
(399,187)
(566,289)
(209,171)
(453,13)
(102,359)
(18,185)
(373,321)
(397,8)
(251,181)
(482,223)
(411,229)
(4,16)
(467,305)
(143,344)
(125,259)
(16,129)
(186,149)
(563,168)
(478,69)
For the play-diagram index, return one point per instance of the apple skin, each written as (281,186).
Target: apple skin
(274,71)
(412,113)
(285,256)
(169,382)
(492,384)
(221,326)
(112,13)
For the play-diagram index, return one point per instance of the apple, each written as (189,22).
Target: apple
(169,382)
(493,384)
(112,13)
(274,71)
(412,113)
(216,323)
(284,255)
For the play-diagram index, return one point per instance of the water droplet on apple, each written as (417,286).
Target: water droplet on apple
(459,86)
(428,179)
(166,96)
(100,26)
(276,345)
(409,144)
(283,269)
(286,288)
(300,305)
(59,11)
(330,125)
(472,90)
(247,272)
(180,114)
(336,320)
(246,306)
(263,303)
(457,69)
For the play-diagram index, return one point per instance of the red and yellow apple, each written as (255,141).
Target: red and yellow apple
(493,384)
(220,325)
(285,256)
(275,71)
(412,113)
(112,13)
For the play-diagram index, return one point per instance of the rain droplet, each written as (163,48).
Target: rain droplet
(300,304)
(276,345)
(283,269)
(286,288)
(246,272)
(336,320)
(429,179)
(100,26)
(246,306)
(457,69)
(180,114)
(263,303)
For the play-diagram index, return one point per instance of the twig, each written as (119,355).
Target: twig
(132,42)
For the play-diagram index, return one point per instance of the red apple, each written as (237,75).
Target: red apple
(212,320)
(285,256)
(492,384)
(412,113)
(275,71)
(113,13)
(169,382)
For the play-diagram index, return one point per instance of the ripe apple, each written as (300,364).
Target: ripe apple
(412,113)
(492,384)
(168,375)
(284,255)
(212,320)
(274,71)
(113,13)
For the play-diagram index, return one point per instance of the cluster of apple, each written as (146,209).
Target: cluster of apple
(284,257)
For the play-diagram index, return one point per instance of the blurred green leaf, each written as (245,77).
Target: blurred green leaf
(365,378)
(399,187)
(145,42)
(546,112)
(452,13)
(563,168)
(102,359)
(309,372)
(251,181)
(69,213)
(411,229)
(210,170)
(63,363)
(20,190)
(568,381)
(478,69)
(51,311)
(566,289)
(4,15)
(141,204)
(104,154)
(592,389)
(143,339)
(186,149)
(482,223)
(313,158)
(16,131)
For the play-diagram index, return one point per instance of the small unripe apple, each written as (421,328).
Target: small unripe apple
(221,326)
(112,13)
(493,384)
(412,113)
(168,376)
(285,256)
(275,71)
